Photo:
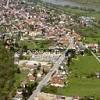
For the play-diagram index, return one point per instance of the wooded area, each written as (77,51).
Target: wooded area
(7,71)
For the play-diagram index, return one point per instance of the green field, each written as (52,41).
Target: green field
(79,84)
(36,44)
(81,12)
(85,65)
(19,77)
(92,35)
(81,87)
(87,1)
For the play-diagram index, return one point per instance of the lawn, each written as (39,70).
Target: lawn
(80,85)
(19,77)
(36,44)
(81,12)
(91,34)
(87,1)
(85,65)
(91,40)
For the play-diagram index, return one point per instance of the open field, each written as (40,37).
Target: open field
(85,65)
(87,1)
(19,77)
(81,87)
(79,84)
(81,12)
(41,44)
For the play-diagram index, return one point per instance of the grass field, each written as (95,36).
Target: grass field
(86,64)
(80,12)
(87,1)
(82,86)
(19,77)
(92,35)
(37,44)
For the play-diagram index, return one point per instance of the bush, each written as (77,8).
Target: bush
(88,52)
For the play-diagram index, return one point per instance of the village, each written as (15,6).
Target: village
(22,25)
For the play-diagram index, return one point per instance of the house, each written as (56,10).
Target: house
(32,64)
(31,77)
(18,95)
(57,81)
(23,83)
(93,46)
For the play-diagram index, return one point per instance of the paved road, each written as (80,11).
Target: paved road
(48,76)
(7,5)
(95,56)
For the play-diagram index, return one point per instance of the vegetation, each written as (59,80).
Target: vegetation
(29,88)
(91,34)
(19,77)
(76,11)
(41,44)
(7,73)
(82,80)
(50,89)
(85,65)
(87,1)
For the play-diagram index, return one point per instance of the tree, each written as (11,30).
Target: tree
(25,48)
(7,72)
(18,70)
(29,88)
(35,73)
(39,67)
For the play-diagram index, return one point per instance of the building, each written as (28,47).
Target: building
(57,81)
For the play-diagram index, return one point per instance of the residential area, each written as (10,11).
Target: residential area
(53,59)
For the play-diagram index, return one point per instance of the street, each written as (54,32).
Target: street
(45,80)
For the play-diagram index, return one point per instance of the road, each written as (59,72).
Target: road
(7,5)
(48,76)
(95,56)
(46,79)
